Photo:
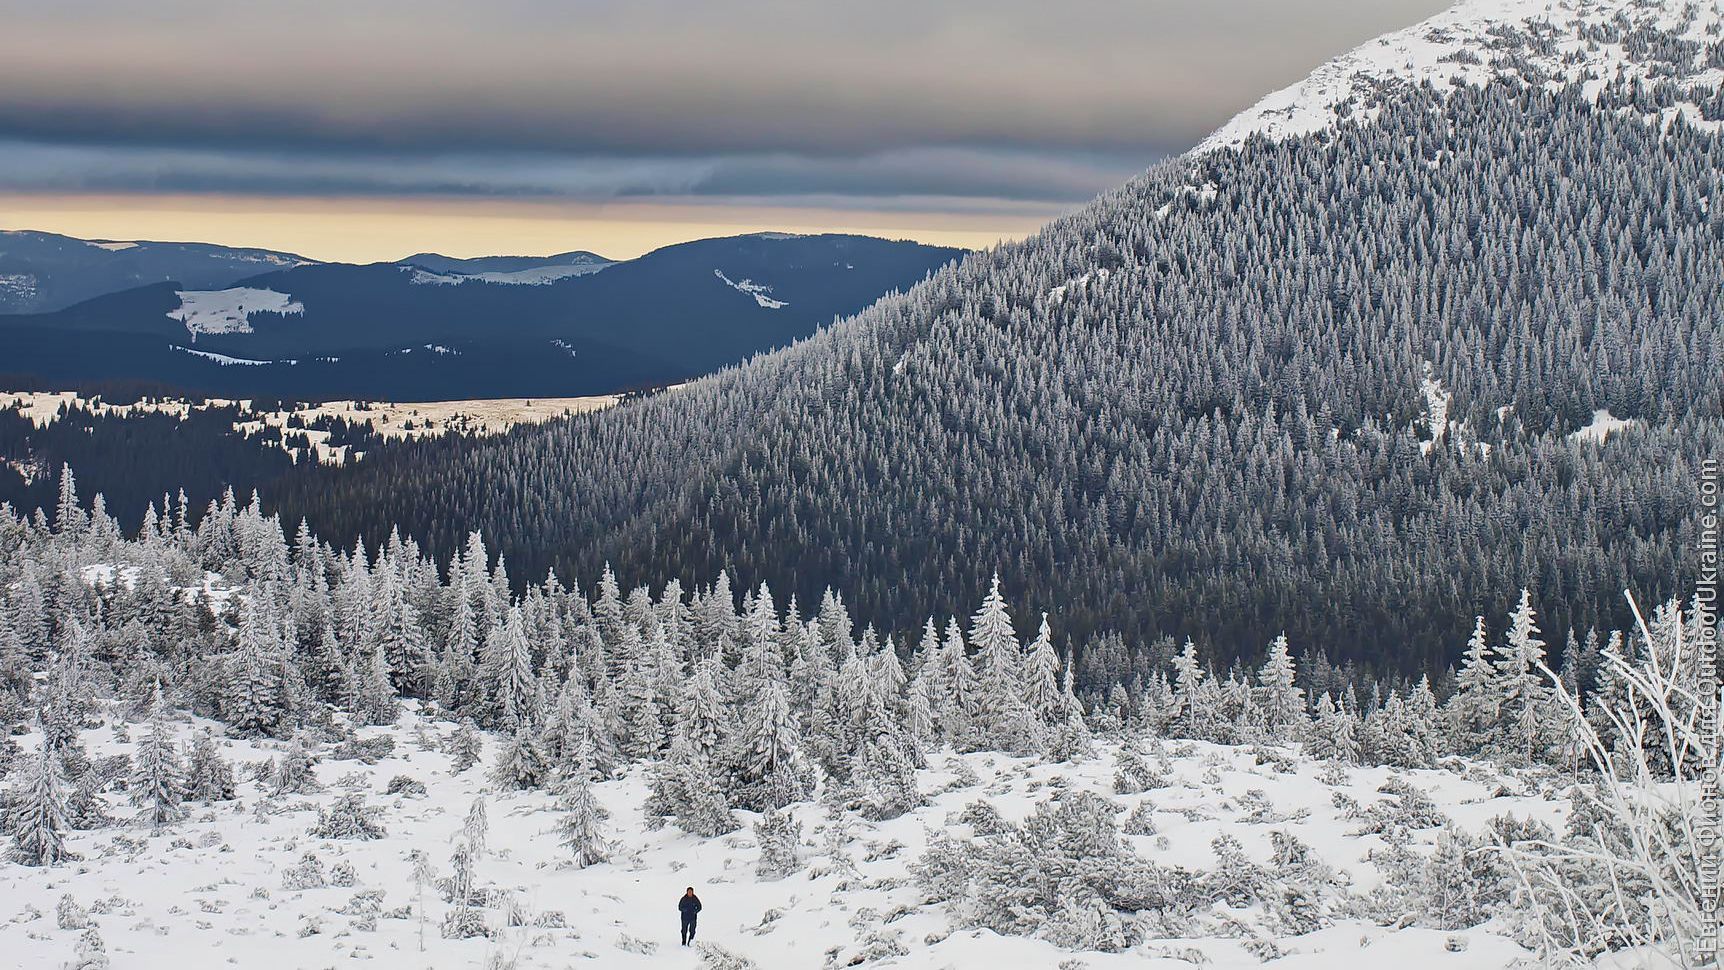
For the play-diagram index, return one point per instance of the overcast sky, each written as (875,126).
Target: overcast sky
(370,128)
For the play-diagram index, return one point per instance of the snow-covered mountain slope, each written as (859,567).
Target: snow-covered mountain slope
(1672,46)
(249,883)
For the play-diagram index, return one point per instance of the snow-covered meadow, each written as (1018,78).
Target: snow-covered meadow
(233,884)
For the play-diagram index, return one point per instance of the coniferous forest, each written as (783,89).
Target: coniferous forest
(1328,386)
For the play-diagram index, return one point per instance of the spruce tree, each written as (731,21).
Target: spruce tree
(580,827)
(1282,705)
(158,780)
(37,813)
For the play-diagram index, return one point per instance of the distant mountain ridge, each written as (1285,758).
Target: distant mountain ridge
(44,271)
(438,263)
(433,327)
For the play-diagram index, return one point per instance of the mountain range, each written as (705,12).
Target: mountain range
(1437,324)
(243,323)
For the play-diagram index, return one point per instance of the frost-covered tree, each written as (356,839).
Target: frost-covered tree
(580,824)
(464,746)
(158,779)
(521,764)
(1530,720)
(36,813)
(1282,703)
(780,839)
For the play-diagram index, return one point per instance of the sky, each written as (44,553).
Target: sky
(372,129)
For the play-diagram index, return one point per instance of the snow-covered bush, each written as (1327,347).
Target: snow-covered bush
(364,750)
(349,818)
(715,957)
(1407,807)
(307,873)
(405,785)
(464,923)
(780,839)
(1131,774)
(91,953)
(982,817)
(68,915)
(1065,873)
(1141,820)
(1235,880)
(294,771)
(365,907)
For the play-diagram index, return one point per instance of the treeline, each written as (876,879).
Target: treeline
(135,457)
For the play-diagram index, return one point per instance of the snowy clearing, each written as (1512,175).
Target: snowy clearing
(220,882)
(1602,426)
(230,310)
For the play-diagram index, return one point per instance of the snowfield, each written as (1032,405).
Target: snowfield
(230,310)
(1548,42)
(213,890)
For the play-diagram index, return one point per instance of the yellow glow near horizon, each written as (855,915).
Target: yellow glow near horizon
(377,229)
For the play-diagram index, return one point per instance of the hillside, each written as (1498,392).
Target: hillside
(44,271)
(573,325)
(1327,383)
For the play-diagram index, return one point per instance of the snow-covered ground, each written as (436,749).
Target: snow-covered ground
(209,891)
(1547,42)
(229,310)
(1602,426)
(228,361)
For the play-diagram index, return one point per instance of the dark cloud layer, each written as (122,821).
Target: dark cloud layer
(1005,99)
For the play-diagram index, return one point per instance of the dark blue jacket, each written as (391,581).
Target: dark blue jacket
(689,905)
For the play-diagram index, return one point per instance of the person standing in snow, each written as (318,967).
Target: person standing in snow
(689,905)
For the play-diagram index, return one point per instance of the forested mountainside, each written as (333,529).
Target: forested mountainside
(431,328)
(1348,385)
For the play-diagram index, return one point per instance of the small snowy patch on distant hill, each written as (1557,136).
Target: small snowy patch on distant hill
(226,361)
(1602,426)
(757,290)
(114,247)
(229,311)
(1588,42)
